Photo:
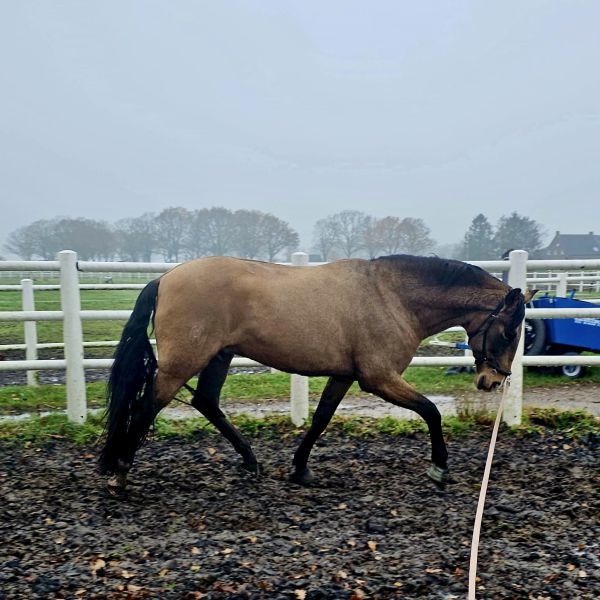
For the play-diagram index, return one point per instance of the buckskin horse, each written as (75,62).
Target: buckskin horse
(351,320)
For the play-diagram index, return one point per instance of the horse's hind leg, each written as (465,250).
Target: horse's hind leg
(333,393)
(206,401)
(396,391)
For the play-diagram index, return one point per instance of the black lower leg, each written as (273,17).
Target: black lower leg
(206,401)
(332,396)
(439,453)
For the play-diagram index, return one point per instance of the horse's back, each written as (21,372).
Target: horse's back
(263,310)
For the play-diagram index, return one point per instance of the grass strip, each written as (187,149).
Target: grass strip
(45,430)
(428,380)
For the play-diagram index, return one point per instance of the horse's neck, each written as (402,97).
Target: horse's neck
(453,307)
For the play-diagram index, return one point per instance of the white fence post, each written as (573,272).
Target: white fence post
(513,401)
(73,336)
(30,329)
(561,288)
(299,384)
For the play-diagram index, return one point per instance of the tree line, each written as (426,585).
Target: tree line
(177,234)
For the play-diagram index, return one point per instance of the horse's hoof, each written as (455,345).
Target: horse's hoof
(438,475)
(252,467)
(304,477)
(116,485)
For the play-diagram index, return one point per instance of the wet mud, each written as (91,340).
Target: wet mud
(194,525)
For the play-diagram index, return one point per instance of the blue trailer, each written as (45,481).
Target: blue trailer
(563,336)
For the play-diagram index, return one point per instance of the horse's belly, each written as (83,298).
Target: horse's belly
(298,353)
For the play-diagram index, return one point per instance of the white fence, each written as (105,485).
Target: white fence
(71,314)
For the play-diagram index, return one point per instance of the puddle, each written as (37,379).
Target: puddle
(369,406)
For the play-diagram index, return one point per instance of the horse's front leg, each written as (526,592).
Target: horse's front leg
(206,401)
(396,391)
(333,393)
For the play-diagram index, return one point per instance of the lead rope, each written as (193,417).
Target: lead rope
(480,505)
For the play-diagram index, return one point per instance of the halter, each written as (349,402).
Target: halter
(483,329)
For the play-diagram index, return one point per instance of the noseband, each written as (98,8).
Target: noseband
(483,329)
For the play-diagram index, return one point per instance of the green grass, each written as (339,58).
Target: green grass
(40,431)
(428,380)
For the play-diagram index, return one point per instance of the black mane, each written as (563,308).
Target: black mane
(443,272)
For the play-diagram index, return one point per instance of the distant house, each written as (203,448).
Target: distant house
(572,246)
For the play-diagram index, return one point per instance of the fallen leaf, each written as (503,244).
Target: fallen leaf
(300,594)
(372,545)
(97,565)
(211,451)
(341,506)
(133,588)
(582,574)
(127,575)
(227,551)
(195,550)
(342,574)
(253,539)
(570,567)
(430,570)
(163,572)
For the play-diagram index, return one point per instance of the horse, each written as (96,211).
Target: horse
(350,320)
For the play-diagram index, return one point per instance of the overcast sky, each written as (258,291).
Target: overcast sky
(436,110)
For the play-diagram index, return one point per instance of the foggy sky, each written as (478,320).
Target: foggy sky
(435,110)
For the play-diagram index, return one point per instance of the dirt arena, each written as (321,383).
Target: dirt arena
(195,526)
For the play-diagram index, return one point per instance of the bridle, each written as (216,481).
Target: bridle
(483,329)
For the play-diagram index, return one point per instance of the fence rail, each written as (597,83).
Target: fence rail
(72,316)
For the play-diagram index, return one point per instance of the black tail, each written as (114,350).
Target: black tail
(130,408)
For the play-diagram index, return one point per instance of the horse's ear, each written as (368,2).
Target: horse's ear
(529,294)
(513,298)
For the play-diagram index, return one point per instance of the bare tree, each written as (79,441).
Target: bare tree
(350,227)
(325,237)
(416,236)
(384,235)
(344,230)
(171,231)
(278,235)
(211,232)
(249,233)
(92,240)
(22,242)
(136,237)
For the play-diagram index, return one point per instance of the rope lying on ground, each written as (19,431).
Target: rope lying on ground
(481,503)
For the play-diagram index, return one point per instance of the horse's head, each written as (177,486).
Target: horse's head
(494,342)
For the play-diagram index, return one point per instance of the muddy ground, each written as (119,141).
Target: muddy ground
(195,526)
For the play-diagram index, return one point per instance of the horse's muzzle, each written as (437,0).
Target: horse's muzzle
(487,386)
